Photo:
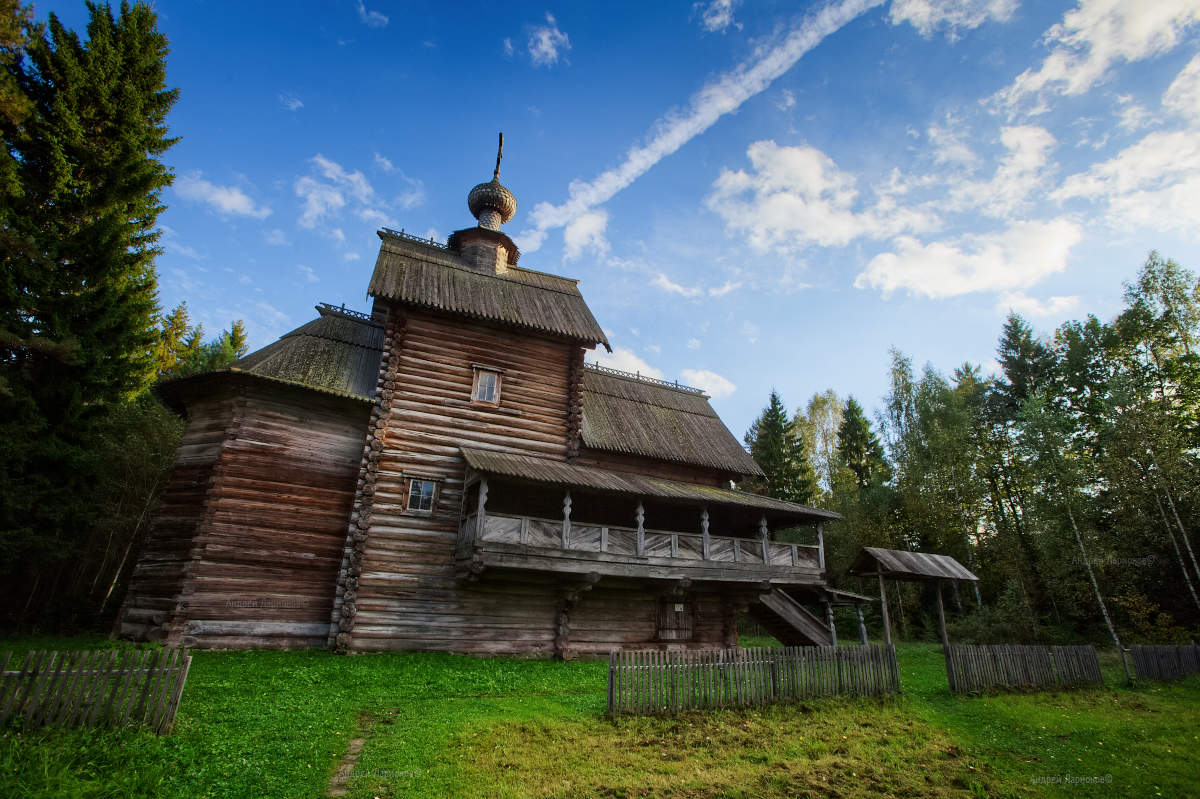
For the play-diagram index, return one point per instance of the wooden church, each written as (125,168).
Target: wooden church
(447,473)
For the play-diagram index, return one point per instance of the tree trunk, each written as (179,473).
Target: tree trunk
(1178,553)
(1087,564)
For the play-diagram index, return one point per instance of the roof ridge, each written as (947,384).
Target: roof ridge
(647,380)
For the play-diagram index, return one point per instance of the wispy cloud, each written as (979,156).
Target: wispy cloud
(722,96)
(1031,306)
(331,188)
(384,163)
(586,234)
(712,383)
(225,200)
(276,238)
(716,16)
(547,43)
(1090,40)
(928,16)
(290,101)
(372,19)
(308,273)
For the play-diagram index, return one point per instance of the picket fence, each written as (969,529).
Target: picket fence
(972,669)
(645,682)
(1165,662)
(103,687)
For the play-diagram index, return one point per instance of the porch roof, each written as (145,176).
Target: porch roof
(909,565)
(532,469)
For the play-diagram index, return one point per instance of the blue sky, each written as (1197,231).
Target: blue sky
(752,194)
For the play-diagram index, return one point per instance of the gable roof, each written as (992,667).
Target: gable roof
(913,565)
(337,353)
(422,273)
(633,415)
(532,468)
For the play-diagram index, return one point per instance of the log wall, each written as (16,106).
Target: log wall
(257,565)
(398,588)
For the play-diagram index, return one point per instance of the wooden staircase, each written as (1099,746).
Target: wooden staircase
(787,620)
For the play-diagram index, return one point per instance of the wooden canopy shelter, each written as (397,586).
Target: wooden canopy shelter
(900,564)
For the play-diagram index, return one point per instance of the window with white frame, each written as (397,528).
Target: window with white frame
(486,388)
(422,495)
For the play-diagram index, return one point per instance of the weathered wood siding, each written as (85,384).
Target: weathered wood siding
(399,589)
(264,553)
(158,578)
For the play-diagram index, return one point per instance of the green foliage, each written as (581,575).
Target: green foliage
(778,448)
(182,350)
(859,447)
(78,298)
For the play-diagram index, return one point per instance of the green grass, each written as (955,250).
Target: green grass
(256,724)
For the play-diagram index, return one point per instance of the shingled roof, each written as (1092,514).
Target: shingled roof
(428,275)
(635,416)
(336,353)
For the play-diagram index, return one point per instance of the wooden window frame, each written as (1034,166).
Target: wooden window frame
(480,369)
(409,481)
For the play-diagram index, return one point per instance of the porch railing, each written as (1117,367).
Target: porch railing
(627,542)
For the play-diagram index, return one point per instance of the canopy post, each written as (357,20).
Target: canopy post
(887,624)
(480,513)
(829,621)
(765,534)
(704,539)
(941,616)
(862,625)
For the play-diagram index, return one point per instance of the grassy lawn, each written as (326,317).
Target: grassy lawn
(257,724)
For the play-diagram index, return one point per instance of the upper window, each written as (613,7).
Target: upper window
(487,385)
(422,495)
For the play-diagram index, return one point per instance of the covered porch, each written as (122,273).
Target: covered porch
(533,515)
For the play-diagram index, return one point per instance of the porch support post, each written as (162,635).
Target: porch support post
(887,624)
(566,527)
(821,547)
(704,540)
(766,538)
(941,616)
(862,625)
(641,528)
(480,513)
(829,621)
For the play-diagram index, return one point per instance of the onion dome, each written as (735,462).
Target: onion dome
(490,202)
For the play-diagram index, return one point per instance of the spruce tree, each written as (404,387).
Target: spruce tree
(779,450)
(78,306)
(859,447)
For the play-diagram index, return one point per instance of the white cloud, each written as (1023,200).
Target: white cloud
(627,361)
(372,19)
(722,96)
(384,163)
(1013,259)
(1133,116)
(333,188)
(227,200)
(171,243)
(546,42)
(712,383)
(290,101)
(308,273)
(797,195)
(786,101)
(1092,38)
(666,284)
(723,289)
(1028,306)
(586,233)
(1020,171)
(693,343)
(350,256)
(276,238)
(949,145)
(508,47)
(928,16)
(1183,95)
(1154,183)
(717,15)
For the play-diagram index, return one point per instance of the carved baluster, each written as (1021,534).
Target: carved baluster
(765,534)
(704,540)
(820,547)
(480,513)
(641,528)
(566,527)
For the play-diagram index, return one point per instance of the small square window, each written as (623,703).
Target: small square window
(487,386)
(422,495)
